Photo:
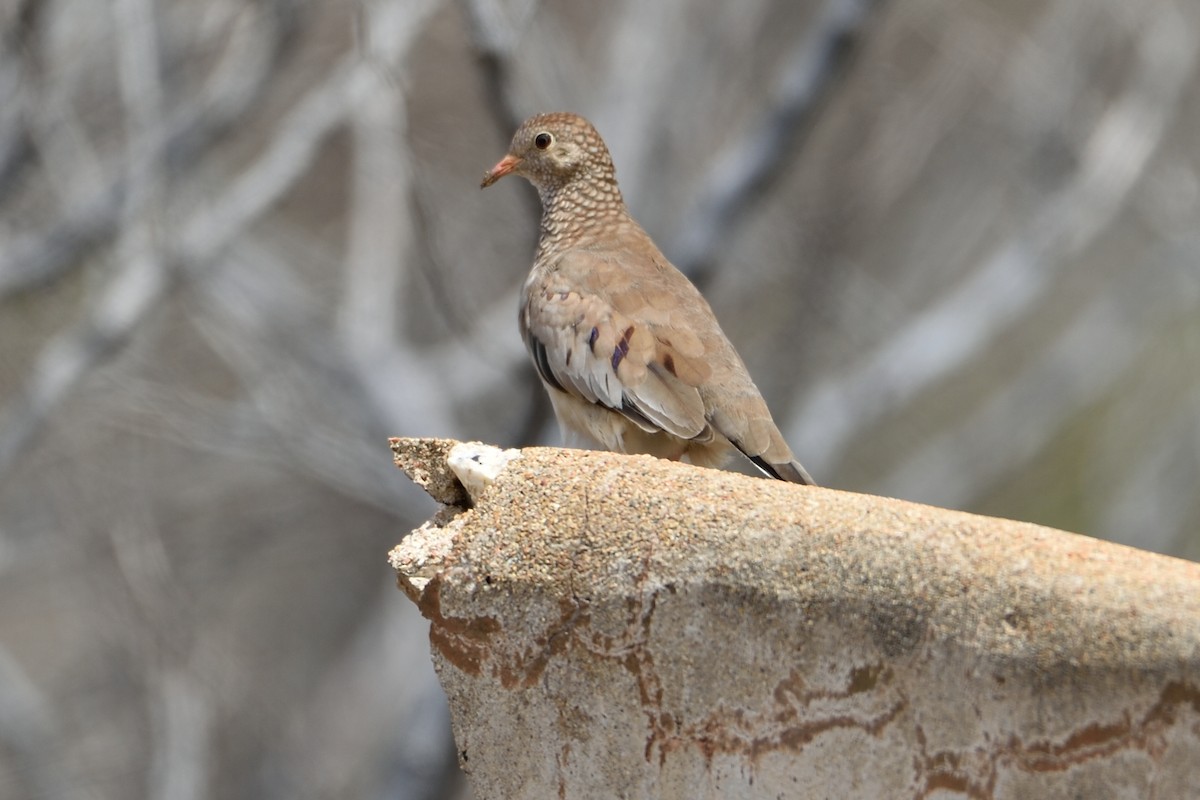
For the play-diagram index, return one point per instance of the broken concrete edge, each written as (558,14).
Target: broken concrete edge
(425,461)
(453,473)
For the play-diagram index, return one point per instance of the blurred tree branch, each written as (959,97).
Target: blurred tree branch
(252,44)
(955,329)
(143,276)
(748,168)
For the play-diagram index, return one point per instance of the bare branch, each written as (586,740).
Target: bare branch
(381,230)
(381,227)
(182,738)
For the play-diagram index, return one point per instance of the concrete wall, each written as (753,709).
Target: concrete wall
(613,626)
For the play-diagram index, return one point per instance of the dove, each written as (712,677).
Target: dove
(629,351)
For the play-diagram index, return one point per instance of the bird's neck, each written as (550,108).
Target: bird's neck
(579,211)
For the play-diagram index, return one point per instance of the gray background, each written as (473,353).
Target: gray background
(241,243)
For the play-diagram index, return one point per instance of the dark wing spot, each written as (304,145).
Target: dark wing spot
(622,348)
(542,361)
(619,352)
(668,362)
(592,339)
(569,357)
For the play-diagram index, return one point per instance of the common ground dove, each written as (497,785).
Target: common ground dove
(628,349)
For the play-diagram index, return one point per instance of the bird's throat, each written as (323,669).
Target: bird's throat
(576,212)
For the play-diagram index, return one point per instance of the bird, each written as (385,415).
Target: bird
(629,351)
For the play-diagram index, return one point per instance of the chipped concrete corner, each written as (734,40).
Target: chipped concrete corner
(615,626)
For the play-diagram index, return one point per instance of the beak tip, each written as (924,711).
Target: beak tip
(504,167)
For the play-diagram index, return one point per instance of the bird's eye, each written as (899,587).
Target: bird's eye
(543,140)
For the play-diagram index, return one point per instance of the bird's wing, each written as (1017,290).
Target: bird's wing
(606,331)
(628,331)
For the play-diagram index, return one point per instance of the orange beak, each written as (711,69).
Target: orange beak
(505,166)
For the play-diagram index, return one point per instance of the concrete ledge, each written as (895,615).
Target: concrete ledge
(616,626)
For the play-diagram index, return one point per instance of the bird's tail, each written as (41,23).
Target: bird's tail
(792,471)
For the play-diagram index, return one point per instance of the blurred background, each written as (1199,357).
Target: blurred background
(242,243)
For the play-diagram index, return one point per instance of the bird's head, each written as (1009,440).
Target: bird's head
(553,150)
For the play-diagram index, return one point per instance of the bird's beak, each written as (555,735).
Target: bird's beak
(505,166)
